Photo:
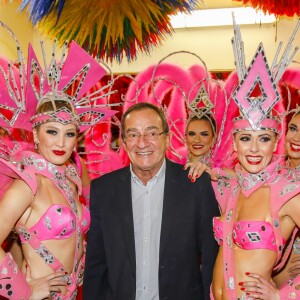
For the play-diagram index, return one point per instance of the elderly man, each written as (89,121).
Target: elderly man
(150,224)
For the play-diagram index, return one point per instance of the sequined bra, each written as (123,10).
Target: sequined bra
(58,222)
(248,235)
(228,190)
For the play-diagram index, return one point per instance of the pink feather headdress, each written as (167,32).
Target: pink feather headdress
(181,94)
(68,79)
(290,90)
(208,98)
(201,105)
(164,85)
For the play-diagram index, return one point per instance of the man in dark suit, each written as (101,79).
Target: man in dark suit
(149,223)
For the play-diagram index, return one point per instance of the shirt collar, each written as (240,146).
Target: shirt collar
(161,172)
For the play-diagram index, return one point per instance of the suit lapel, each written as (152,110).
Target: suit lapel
(169,204)
(124,205)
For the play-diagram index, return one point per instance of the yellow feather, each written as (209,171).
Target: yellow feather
(79,18)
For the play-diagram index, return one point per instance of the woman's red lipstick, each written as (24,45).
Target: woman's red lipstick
(254,160)
(59,153)
(294,147)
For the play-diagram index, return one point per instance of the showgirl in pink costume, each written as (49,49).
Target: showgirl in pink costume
(290,85)
(42,201)
(210,113)
(260,206)
(212,103)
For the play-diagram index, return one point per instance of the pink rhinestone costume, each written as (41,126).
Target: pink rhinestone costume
(59,221)
(259,235)
(27,86)
(256,97)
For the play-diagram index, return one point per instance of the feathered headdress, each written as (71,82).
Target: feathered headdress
(199,104)
(181,93)
(289,86)
(68,79)
(208,98)
(110,29)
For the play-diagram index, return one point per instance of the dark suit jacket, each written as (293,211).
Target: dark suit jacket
(186,235)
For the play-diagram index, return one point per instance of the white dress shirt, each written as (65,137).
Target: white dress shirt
(147,203)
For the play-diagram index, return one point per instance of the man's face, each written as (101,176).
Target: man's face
(145,142)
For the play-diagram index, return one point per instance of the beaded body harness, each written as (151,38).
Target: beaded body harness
(28,168)
(228,189)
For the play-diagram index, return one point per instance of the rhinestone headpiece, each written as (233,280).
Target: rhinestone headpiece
(203,97)
(201,104)
(68,79)
(64,115)
(257,92)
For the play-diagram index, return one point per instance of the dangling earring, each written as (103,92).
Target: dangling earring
(35,139)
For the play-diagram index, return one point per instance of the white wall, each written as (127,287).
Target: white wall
(21,27)
(213,44)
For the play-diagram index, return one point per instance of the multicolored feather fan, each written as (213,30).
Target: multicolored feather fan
(288,8)
(108,29)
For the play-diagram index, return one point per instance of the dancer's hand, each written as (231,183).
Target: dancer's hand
(42,287)
(260,289)
(196,169)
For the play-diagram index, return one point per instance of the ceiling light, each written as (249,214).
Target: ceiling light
(220,17)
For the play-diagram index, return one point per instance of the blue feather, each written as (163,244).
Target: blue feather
(39,9)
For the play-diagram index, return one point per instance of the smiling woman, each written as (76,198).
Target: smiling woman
(260,206)
(47,220)
(200,138)
(42,202)
(55,140)
(255,149)
(293,141)
(290,271)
